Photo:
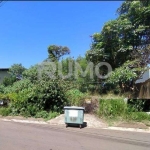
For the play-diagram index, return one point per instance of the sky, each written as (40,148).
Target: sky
(28,28)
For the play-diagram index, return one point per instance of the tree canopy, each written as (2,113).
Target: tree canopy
(56,52)
(16,70)
(125,39)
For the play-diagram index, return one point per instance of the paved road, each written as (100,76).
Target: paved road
(21,136)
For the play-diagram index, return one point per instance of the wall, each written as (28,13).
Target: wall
(144,77)
(3,74)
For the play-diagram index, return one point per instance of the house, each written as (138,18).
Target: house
(144,77)
(143,86)
(3,73)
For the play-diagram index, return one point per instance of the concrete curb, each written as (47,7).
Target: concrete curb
(128,129)
(25,121)
(107,128)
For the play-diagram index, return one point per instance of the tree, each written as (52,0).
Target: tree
(125,40)
(56,52)
(31,74)
(106,45)
(16,70)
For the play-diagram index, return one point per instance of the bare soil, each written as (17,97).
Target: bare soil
(91,121)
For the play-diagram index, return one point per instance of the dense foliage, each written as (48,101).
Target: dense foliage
(116,109)
(124,40)
(27,98)
(56,52)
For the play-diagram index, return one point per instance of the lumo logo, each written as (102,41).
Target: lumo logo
(74,69)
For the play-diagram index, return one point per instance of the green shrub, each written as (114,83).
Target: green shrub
(42,114)
(137,104)
(5,99)
(27,98)
(19,86)
(50,96)
(45,95)
(3,96)
(31,74)
(9,81)
(52,115)
(111,108)
(75,97)
(5,111)
(117,109)
(137,116)
(92,88)
(2,87)
(47,115)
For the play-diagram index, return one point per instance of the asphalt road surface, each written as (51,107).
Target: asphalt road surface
(21,136)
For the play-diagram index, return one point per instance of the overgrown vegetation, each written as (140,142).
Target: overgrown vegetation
(47,115)
(28,99)
(39,96)
(43,90)
(124,44)
(117,109)
(75,97)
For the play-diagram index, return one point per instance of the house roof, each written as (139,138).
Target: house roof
(145,77)
(4,69)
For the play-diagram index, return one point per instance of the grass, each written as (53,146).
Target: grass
(116,110)
(111,95)
(5,111)
(52,115)
(47,115)
(147,123)
(75,97)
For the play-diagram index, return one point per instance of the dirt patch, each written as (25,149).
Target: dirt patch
(90,120)
(91,104)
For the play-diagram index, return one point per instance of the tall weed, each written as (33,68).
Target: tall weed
(117,108)
(75,97)
(111,108)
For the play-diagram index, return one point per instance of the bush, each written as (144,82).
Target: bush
(27,99)
(115,109)
(31,74)
(19,86)
(47,115)
(111,108)
(42,114)
(137,104)
(5,99)
(52,115)
(2,87)
(9,81)
(75,97)
(3,96)
(50,96)
(92,89)
(5,111)
(137,116)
